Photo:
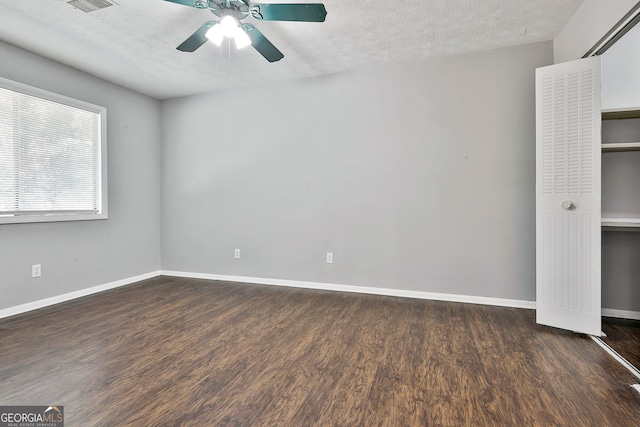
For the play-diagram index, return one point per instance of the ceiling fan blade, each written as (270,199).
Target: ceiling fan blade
(198,4)
(262,44)
(197,39)
(312,12)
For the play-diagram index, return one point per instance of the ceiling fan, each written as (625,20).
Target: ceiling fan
(232,12)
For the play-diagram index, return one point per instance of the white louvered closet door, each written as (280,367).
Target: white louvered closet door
(568,159)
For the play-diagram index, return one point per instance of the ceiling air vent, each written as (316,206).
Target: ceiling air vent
(89,5)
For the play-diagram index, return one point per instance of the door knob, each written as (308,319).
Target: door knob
(568,205)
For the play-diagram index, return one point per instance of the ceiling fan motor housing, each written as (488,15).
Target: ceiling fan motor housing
(235,8)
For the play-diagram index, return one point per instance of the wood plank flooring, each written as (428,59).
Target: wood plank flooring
(182,352)
(624,337)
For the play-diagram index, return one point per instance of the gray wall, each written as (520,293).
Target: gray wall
(77,255)
(417,177)
(621,270)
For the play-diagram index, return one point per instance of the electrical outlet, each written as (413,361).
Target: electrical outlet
(236,254)
(36,270)
(329,257)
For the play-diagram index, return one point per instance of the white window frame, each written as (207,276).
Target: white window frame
(102,199)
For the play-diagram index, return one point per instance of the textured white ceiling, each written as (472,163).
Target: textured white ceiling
(133,43)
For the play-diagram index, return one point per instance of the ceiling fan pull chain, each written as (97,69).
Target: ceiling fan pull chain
(229,58)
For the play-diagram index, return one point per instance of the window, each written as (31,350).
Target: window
(52,157)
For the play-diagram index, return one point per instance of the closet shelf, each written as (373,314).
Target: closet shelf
(620,146)
(621,223)
(623,113)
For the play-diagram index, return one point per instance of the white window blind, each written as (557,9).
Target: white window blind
(50,156)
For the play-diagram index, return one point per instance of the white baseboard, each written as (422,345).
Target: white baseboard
(23,308)
(358,289)
(621,314)
(501,302)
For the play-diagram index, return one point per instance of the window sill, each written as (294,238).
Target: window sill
(27,219)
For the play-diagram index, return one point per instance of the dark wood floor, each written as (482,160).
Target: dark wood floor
(177,352)
(624,337)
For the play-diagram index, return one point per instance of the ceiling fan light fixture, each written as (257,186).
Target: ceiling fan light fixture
(241,38)
(215,34)
(229,26)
